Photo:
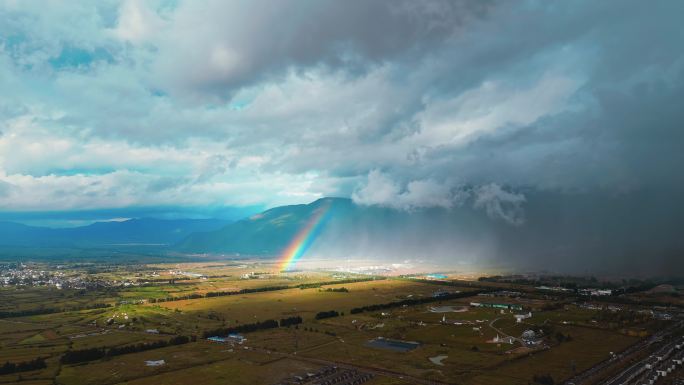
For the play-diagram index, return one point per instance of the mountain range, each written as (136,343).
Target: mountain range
(567,231)
(146,231)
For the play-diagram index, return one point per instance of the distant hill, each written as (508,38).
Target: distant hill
(349,230)
(266,233)
(102,234)
(569,232)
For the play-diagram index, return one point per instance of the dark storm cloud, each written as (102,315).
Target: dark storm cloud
(268,38)
(622,128)
(505,109)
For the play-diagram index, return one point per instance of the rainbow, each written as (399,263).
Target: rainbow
(304,238)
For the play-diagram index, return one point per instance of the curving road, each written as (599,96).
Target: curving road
(503,334)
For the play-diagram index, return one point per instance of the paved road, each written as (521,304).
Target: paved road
(504,335)
(621,357)
(638,371)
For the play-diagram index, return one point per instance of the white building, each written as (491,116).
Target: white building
(155,363)
(505,340)
(520,317)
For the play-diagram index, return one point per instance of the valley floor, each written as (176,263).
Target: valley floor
(153,330)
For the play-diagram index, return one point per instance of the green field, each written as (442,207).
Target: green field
(465,342)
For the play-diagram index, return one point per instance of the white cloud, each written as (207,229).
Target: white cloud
(519,96)
(123,188)
(379,189)
(214,48)
(137,23)
(493,105)
(500,204)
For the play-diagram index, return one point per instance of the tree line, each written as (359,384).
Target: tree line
(315,285)
(413,301)
(337,290)
(11,367)
(451,283)
(327,314)
(51,310)
(217,294)
(252,327)
(291,321)
(91,354)
(261,289)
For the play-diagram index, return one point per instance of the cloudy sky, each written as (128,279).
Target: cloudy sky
(209,104)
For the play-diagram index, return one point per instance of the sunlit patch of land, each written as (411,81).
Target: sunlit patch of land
(150,304)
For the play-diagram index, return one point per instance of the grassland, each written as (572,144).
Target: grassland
(269,355)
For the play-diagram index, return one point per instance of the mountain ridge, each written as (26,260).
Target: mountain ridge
(257,234)
(135,230)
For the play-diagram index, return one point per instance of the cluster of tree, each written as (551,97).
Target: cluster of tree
(145,282)
(413,301)
(338,282)
(84,355)
(11,367)
(246,328)
(150,281)
(553,306)
(453,283)
(629,301)
(575,283)
(215,316)
(543,379)
(217,294)
(621,317)
(337,290)
(265,288)
(51,310)
(218,275)
(178,298)
(290,321)
(635,288)
(327,314)
(491,278)
(509,279)
(566,281)
(173,281)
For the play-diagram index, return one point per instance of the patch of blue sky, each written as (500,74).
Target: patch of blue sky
(16,46)
(74,57)
(80,171)
(239,105)
(159,93)
(234,105)
(244,98)
(12,42)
